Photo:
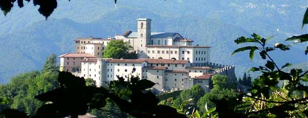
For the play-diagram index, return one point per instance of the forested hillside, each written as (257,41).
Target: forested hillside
(26,38)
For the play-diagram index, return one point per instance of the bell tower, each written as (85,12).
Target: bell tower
(144,30)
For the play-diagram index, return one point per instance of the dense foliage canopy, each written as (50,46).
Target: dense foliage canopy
(118,49)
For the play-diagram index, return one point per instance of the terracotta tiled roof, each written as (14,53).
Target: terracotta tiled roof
(127,60)
(76,55)
(199,68)
(155,68)
(177,71)
(126,33)
(175,46)
(166,61)
(178,39)
(204,76)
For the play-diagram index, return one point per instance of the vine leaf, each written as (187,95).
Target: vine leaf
(301,38)
(244,49)
(251,53)
(286,65)
(270,65)
(305,19)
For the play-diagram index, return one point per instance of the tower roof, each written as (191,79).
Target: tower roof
(147,19)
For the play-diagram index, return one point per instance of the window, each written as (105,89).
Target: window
(98,48)
(141,35)
(174,79)
(118,70)
(158,51)
(125,70)
(196,52)
(196,59)
(118,64)
(67,63)
(182,79)
(163,52)
(111,70)
(125,64)
(167,52)
(133,64)
(141,25)
(97,53)
(176,65)
(165,42)
(158,42)
(183,52)
(149,51)
(187,59)
(73,63)
(183,65)
(153,52)
(175,52)
(182,58)
(107,70)
(171,52)
(168,65)
(157,77)
(157,71)
(166,79)
(201,52)
(162,64)
(68,58)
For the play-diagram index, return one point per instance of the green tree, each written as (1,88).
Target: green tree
(22,89)
(223,88)
(51,64)
(90,82)
(118,49)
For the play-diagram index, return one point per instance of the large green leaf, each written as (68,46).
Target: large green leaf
(282,47)
(251,53)
(244,49)
(301,38)
(305,19)
(244,40)
(270,65)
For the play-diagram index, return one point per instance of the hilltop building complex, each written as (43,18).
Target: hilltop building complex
(169,60)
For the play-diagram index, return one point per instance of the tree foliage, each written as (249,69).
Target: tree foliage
(23,88)
(268,98)
(118,49)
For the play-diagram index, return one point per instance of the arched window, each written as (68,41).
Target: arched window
(141,25)
(160,58)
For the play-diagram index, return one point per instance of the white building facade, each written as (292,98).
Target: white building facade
(168,59)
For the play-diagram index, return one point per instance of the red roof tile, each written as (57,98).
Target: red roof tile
(127,60)
(166,61)
(177,71)
(76,55)
(155,67)
(175,46)
(199,68)
(204,76)
(126,33)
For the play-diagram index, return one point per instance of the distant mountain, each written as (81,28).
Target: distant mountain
(27,39)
